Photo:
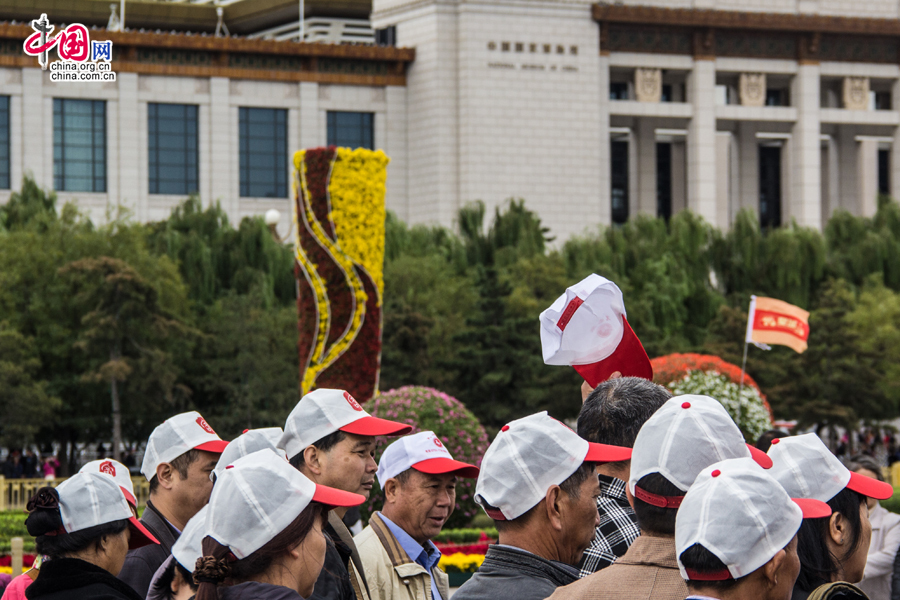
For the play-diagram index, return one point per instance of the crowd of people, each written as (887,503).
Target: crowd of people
(652,496)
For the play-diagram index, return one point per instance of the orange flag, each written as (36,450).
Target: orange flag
(772,321)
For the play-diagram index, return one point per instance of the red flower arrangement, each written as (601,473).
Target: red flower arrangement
(673,367)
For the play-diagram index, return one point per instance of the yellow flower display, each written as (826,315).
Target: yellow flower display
(461,563)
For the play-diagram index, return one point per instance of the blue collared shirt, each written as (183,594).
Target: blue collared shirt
(427,556)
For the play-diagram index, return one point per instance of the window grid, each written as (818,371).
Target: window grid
(172,148)
(263,152)
(351,129)
(79,145)
(4,143)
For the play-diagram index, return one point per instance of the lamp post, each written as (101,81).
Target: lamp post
(272,218)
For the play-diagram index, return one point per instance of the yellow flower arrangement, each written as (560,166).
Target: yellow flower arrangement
(461,563)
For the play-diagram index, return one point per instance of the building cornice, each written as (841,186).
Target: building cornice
(236,58)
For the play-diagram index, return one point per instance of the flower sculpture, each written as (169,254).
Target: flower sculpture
(339,216)
(711,376)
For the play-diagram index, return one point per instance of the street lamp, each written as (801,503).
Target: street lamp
(272,218)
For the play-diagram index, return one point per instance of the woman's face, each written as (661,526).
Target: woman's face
(309,557)
(854,565)
(870,502)
(180,590)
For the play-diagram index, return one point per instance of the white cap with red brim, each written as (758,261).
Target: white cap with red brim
(177,435)
(324,411)
(587,329)
(259,496)
(90,499)
(252,440)
(742,515)
(117,471)
(424,452)
(805,466)
(527,457)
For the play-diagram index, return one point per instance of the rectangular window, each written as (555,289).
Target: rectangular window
(264,167)
(351,129)
(769,187)
(172,148)
(884,171)
(619,181)
(4,143)
(79,145)
(618,90)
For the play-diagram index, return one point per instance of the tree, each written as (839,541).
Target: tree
(124,330)
(24,402)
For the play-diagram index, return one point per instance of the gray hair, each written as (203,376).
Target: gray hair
(863,461)
(617,409)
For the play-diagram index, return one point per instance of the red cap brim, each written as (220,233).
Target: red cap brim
(870,487)
(140,536)
(812,509)
(216,446)
(630,359)
(440,466)
(335,497)
(129,496)
(760,457)
(376,426)
(606,453)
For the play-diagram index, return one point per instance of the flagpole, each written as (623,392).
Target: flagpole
(744,366)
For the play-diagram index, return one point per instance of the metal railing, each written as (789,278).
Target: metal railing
(15,493)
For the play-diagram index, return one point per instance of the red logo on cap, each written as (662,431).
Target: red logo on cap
(108,468)
(438,443)
(352,401)
(205,426)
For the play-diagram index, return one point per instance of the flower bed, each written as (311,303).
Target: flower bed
(461,563)
(6,563)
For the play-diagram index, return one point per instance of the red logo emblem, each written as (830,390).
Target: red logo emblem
(205,426)
(108,468)
(352,401)
(438,443)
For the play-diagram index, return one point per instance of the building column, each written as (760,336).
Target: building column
(806,155)
(396,198)
(645,168)
(848,156)
(868,177)
(605,176)
(723,179)
(34,127)
(309,116)
(130,179)
(895,148)
(701,141)
(223,152)
(748,165)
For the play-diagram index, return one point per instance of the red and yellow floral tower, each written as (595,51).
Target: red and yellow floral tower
(339,216)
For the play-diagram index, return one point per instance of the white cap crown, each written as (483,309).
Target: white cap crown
(806,468)
(686,435)
(91,499)
(113,468)
(527,457)
(318,414)
(738,512)
(408,451)
(178,435)
(252,440)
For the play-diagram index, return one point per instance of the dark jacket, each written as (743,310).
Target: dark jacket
(516,574)
(334,581)
(141,564)
(253,590)
(72,578)
(839,590)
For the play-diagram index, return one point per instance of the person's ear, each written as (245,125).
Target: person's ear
(553,502)
(629,495)
(391,490)
(838,528)
(177,581)
(772,570)
(312,458)
(166,475)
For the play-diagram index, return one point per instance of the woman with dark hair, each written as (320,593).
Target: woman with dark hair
(264,531)
(831,549)
(84,528)
(885,536)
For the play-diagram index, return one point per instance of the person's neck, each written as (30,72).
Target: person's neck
(398,521)
(741,592)
(532,540)
(168,508)
(655,534)
(91,555)
(614,470)
(278,575)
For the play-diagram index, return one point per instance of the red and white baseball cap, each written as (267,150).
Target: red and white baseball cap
(527,457)
(252,440)
(258,496)
(177,435)
(805,467)
(324,411)
(90,499)
(117,471)
(425,453)
(738,512)
(587,328)
(686,435)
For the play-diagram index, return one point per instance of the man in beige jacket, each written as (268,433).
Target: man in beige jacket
(418,476)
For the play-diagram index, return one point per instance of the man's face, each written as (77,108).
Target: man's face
(350,464)
(790,569)
(580,518)
(423,503)
(192,492)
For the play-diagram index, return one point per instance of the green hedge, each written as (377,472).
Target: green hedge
(12,524)
(465,536)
